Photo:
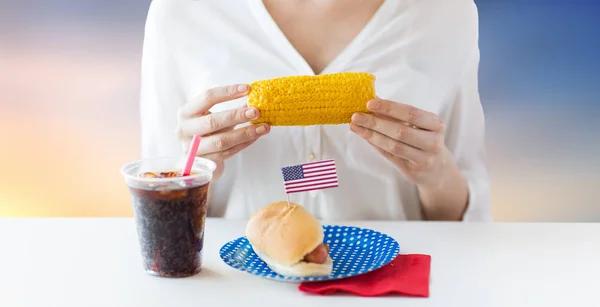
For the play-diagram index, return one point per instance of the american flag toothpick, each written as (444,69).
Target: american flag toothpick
(309,177)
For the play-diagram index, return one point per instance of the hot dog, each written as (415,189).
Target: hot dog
(318,255)
(284,236)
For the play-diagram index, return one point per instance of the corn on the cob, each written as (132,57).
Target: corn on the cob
(312,100)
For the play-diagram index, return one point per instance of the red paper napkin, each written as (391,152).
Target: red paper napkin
(406,275)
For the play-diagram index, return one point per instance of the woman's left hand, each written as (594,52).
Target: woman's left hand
(410,138)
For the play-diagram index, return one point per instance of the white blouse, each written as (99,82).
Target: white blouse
(423,53)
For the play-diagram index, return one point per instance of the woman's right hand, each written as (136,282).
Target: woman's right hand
(219,138)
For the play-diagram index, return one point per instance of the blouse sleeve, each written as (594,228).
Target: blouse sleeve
(161,94)
(465,138)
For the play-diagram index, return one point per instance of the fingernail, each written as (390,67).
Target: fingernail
(250,114)
(261,129)
(357,118)
(373,104)
(242,88)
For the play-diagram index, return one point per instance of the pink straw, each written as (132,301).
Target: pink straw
(191,155)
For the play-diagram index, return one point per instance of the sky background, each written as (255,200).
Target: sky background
(69,83)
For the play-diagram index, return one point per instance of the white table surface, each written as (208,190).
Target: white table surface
(95,262)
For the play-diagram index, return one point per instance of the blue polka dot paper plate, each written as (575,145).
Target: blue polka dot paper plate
(354,251)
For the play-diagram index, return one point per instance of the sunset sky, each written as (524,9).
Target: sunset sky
(69,81)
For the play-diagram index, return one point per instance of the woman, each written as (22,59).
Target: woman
(419,156)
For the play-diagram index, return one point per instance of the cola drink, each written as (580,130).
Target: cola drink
(170,212)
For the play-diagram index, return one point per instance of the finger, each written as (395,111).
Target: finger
(430,141)
(403,163)
(390,145)
(201,105)
(389,156)
(216,121)
(229,152)
(420,118)
(226,140)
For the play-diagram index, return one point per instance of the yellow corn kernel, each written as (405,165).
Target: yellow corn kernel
(312,100)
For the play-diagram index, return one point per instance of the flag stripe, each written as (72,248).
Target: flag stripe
(310,184)
(309,179)
(320,174)
(319,170)
(294,184)
(317,166)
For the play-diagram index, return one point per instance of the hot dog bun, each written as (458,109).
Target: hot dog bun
(282,235)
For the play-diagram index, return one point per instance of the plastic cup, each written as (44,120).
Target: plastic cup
(169,214)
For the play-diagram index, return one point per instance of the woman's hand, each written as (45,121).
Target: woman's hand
(412,139)
(219,138)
